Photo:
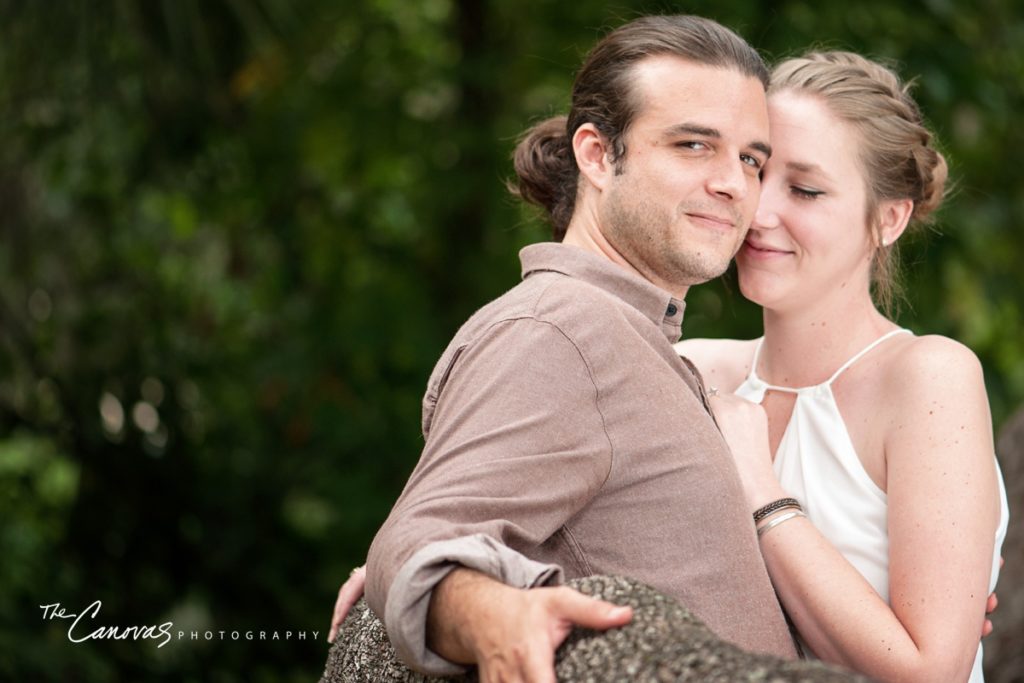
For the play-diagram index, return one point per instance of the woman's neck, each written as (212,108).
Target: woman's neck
(805,346)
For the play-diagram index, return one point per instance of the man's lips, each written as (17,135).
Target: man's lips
(721,222)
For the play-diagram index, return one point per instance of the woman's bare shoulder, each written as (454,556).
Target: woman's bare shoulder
(934,375)
(933,362)
(724,363)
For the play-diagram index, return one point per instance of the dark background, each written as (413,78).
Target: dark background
(235,235)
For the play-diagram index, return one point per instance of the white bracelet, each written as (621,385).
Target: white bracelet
(779,520)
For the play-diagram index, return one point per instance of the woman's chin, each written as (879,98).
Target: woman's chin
(756,291)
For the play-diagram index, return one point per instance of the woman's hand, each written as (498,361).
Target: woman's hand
(348,595)
(745,427)
(990,607)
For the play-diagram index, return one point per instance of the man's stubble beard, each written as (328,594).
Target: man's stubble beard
(647,237)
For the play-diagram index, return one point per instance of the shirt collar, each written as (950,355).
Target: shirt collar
(659,306)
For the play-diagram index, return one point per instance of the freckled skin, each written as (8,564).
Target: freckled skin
(809,268)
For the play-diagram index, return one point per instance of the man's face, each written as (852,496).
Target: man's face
(688,187)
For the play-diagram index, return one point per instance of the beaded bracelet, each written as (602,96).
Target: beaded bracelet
(775,506)
(779,520)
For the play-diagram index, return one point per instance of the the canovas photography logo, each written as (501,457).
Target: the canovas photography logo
(86,625)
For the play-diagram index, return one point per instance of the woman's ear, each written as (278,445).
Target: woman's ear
(592,155)
(893,217)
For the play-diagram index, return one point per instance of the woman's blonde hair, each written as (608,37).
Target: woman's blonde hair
(897,152)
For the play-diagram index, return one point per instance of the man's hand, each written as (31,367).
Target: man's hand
(509,633)
(348,595)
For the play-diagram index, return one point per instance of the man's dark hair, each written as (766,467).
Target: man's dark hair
(546,170)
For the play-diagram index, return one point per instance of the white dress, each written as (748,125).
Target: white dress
(816,463)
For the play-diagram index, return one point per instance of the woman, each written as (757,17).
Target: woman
(883,437)
(886,447)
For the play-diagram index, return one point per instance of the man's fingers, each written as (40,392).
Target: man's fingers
(589,612)
(986,628)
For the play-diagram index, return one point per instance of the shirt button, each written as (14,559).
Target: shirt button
(672,310)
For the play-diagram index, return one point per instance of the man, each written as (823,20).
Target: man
(563,434)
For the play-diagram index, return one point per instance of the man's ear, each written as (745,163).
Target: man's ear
(893,217)
(592,152)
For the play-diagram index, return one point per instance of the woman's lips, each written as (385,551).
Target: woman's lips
(763,251)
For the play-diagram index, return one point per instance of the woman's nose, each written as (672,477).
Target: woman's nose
(766,217)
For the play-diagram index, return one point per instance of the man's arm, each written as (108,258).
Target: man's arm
(515,449)
(510,633)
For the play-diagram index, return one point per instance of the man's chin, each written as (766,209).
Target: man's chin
(699,273)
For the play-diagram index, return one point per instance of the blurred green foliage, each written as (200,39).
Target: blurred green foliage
(237,234)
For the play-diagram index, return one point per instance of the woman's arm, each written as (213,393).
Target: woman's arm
(943,510)
(723,363)
(348,595)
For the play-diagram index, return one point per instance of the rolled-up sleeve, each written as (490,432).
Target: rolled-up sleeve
(516,446)
(409,598)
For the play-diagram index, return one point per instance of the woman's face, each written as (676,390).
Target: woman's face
(809,237)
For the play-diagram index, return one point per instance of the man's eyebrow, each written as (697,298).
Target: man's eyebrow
(762,147)
(704,131)
(693,129)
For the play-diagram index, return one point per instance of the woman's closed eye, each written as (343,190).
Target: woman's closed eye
(805,192)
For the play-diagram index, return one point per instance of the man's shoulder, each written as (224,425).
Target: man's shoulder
(512,332)
(511,318)
(548,298)
(545,309)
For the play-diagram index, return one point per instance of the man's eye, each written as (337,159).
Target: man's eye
(692,144)
(751,161)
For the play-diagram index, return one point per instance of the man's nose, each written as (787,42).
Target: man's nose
(729,180)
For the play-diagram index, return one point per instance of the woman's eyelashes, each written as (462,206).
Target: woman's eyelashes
(804,192)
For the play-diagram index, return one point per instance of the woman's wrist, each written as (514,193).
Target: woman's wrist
(778,517)
(764,496)
(779,511)
(775,507)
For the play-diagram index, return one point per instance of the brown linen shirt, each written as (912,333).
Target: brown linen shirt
(565,437)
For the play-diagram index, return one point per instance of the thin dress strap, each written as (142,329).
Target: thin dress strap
(757,378)
(757,354)
(795,390)
(863,351)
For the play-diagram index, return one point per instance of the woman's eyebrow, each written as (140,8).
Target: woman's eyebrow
(805,167)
